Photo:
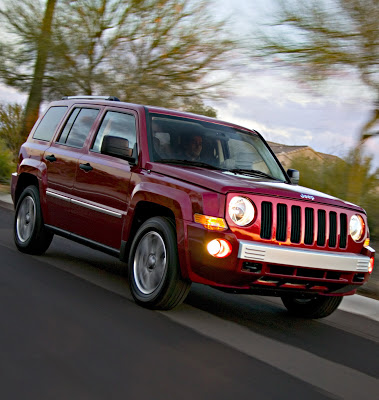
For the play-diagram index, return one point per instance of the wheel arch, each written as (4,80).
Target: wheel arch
(155,200)
(145,210)
(25,179)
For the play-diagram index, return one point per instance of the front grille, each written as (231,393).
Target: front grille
(281,224)
(308,225)
(332,229)
(296,224)
(266,225)
(303,272)
(321,214)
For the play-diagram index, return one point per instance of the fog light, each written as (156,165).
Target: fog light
(371,265)
(219,248)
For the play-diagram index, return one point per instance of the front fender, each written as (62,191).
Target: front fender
(171,198)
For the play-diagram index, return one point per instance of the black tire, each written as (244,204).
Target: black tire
(154,271)
(315,307)
(30,234)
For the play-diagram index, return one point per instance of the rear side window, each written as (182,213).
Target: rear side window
(49,123)
(78,126)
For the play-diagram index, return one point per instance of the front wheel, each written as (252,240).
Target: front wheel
(154,272)
(315,307)
(30,234)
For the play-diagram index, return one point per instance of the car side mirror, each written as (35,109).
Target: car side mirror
(294,176)
(117,147)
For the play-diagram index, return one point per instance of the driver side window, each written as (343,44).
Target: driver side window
(116,124)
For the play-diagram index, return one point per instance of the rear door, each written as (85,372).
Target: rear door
(61,160)
(100,194)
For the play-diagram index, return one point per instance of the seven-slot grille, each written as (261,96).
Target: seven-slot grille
(303,224)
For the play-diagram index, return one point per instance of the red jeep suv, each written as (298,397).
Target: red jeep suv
(184,198)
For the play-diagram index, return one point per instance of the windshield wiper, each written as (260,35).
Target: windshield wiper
(253,172)
(188,162)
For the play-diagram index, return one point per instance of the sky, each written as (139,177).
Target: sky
(271,102)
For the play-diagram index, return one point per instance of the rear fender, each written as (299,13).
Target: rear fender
(30,171)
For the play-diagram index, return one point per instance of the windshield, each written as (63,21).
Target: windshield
(209,145)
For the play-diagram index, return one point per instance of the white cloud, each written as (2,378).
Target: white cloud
(282,113)
(10,95)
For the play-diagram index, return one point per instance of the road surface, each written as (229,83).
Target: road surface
(70,330)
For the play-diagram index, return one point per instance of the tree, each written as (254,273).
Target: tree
(40,38)
(352,178)
(11,120)
(198,107)
(158,52)
(319,39)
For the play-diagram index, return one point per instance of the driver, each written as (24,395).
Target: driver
(193,147)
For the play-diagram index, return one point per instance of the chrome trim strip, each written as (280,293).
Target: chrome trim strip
(96,208)
(303,257)
(57,196)
(83,204)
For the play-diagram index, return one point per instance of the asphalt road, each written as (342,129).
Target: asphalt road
(70,330)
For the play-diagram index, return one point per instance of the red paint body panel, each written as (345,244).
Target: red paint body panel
(107,184)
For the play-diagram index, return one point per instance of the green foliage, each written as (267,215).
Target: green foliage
(351,178)
(158,52)
(198,107)
(322,39)
(11,116)
(7,166)
(319,38)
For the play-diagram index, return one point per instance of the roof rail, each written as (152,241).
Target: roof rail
(111,98)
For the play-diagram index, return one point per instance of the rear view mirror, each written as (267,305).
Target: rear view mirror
(294,176)
(117,147)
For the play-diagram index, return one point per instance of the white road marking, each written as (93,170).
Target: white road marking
(341,381)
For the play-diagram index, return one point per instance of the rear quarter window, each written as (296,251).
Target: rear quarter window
(49,123)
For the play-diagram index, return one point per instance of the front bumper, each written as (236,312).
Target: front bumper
(305,258)
(273,269)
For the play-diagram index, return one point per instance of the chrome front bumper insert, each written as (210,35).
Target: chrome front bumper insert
(282,255)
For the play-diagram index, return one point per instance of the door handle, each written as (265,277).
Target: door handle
(51,158)
(85,167)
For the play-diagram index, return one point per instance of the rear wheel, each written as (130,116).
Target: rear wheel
(30,234)
(154,272)
(314,307)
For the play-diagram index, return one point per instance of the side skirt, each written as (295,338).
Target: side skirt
(82,240)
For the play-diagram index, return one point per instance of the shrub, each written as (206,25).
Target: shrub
(11,116)
(352,179)
(7,166)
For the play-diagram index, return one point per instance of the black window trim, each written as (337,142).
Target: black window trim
(128,111)
(67,116)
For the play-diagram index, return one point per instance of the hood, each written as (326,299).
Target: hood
(227,182)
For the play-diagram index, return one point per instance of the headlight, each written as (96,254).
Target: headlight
(241,210)
(357,227)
